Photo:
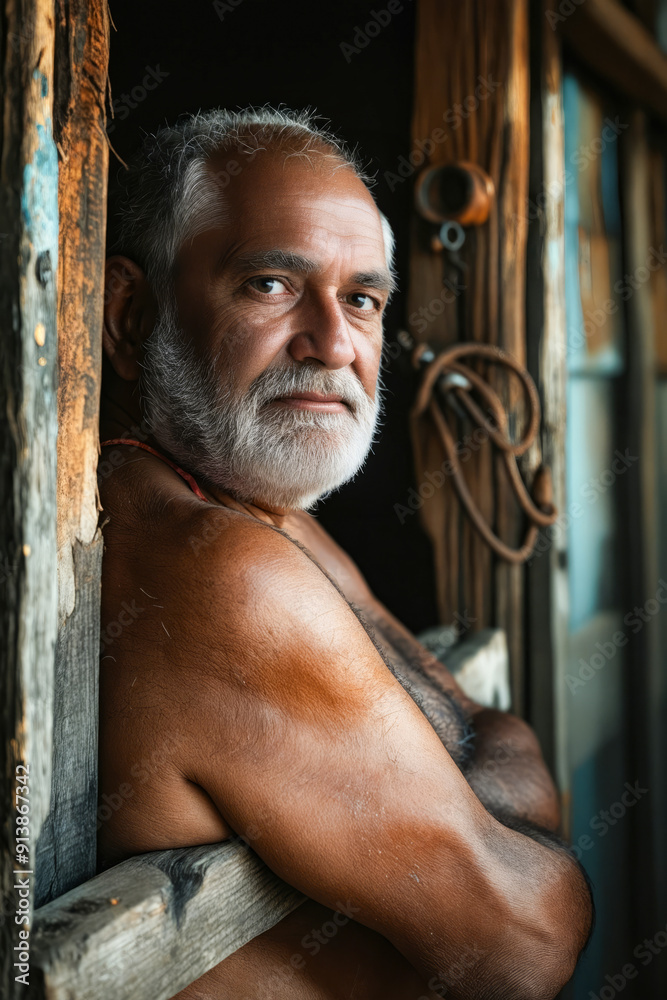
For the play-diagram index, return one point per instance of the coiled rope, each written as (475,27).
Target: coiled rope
(445,374)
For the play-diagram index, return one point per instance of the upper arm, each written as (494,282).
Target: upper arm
(304,737)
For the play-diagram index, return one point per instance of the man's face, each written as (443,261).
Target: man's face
(279,308)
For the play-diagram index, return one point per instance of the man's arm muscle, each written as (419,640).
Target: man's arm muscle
(297,717)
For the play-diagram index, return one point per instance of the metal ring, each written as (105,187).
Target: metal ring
(452,235)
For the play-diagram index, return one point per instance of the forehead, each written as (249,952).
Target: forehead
(297,204)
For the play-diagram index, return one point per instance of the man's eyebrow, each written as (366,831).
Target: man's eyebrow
(287,260)
(274,260)
(381,279)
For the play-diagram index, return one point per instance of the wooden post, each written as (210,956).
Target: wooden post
(28,426)
(67,846)
(547,582)
(472,104)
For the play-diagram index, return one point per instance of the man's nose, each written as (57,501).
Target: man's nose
(323,334)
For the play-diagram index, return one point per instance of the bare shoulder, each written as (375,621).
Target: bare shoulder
(256,593)
(255,558)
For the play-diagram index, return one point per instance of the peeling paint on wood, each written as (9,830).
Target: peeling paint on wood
(67,849)
(28,428)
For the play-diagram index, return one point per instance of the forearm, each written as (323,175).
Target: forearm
(508,773)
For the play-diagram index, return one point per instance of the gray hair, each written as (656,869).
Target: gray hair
(167,195)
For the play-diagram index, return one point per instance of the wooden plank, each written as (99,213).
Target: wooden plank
(66,852)
(150,926)
(617,46)
(546,585)
(479,663)
(512,186)
(481,666)
(28,427)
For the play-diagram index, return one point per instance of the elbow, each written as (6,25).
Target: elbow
(519,964)
(529,967)
(530,917)
(546,952)
(543,967)
(534,949)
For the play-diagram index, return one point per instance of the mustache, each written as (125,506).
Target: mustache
(273,383)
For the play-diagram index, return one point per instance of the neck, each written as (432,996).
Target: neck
(123,419)
(257,508)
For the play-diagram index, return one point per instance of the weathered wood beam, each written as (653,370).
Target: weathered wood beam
(547,581)
(616,45)
(153,924)
(66,850)
(28,427)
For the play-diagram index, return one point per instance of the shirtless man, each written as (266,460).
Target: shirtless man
(243,333)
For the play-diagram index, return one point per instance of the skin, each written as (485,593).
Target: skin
(247,698)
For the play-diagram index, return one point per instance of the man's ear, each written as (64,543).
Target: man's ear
(130,312)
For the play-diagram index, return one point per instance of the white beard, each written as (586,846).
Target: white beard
(283,457)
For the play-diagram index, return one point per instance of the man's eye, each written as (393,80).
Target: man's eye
(270,286)
(362,301)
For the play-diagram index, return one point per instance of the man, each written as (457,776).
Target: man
(243,333)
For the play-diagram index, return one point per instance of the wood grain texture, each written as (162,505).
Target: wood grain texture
(512,187)
(28,426)
(547,605)
(67,845)
(153,924)
(66,853)
(472,103)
